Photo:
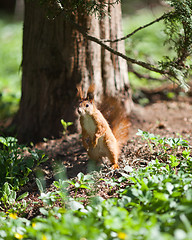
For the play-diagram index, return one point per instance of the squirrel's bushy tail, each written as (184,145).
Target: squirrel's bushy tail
(114,112)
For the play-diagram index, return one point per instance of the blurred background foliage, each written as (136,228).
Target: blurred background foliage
(146,45)
(10,62)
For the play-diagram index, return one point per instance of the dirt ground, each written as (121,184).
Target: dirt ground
(162,117)
(67,158)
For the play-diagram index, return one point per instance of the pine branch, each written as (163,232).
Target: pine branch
(132,60)
(167,72)
(146,76)
(136,30)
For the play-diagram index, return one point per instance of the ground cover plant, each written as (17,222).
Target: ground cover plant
(16,163)
(142,202)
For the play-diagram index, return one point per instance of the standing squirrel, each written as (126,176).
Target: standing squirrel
(99,139)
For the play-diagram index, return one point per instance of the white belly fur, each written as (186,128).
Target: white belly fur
(100,150)
(89,126)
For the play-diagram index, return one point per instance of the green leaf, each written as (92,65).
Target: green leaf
(22,196)
(128,169)
(169,187)
(69,124)
(11,141)
(77,185)
(39,185)
(74,205)
(161,196)
(12,197)
(3,141)
(186,222)
(80,176)
(44,211)
(6,189)
(84,186)
(180,234)
(88,177)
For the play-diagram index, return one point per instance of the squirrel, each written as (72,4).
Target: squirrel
(99,139)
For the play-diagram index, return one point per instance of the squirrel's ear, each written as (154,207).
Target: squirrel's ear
(90,92)
(79,91)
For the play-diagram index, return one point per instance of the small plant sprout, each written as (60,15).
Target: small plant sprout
(166,146)
(65,126)
(174,161)
(81,182)
(149,137)
(11,202)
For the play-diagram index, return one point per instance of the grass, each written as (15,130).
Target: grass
(10,61)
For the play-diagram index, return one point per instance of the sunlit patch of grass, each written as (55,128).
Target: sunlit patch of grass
(147,45)
(10,61)
(148,42)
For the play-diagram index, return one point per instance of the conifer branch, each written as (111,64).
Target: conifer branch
(175,70)
(146,76)
(167,72)
(136,30)
(132,60)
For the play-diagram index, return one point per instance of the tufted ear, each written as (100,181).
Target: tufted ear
(79,91)
(90,93)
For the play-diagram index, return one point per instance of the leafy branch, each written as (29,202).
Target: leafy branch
(169,73)
(73,7)
(146,76)
(179,31)
(136,30)
(178,28)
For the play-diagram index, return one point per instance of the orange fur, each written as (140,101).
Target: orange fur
(98,138)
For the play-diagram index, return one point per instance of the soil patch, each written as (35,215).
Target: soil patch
(164,118)
(67,156)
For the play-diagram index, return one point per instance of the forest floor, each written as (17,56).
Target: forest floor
(167,118)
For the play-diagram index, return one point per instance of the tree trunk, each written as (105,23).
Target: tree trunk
(19,9)
(55,58)
(7,6)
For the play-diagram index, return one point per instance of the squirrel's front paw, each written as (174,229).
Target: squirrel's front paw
(94,143)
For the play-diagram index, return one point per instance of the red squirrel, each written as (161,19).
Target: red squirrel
(99,139)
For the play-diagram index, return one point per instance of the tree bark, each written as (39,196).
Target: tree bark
(8,6)
(56,57)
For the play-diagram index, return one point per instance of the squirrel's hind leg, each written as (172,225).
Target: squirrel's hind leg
(114,161)
(113,153)
(113,157)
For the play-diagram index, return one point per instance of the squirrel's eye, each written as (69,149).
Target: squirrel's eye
(87,105)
